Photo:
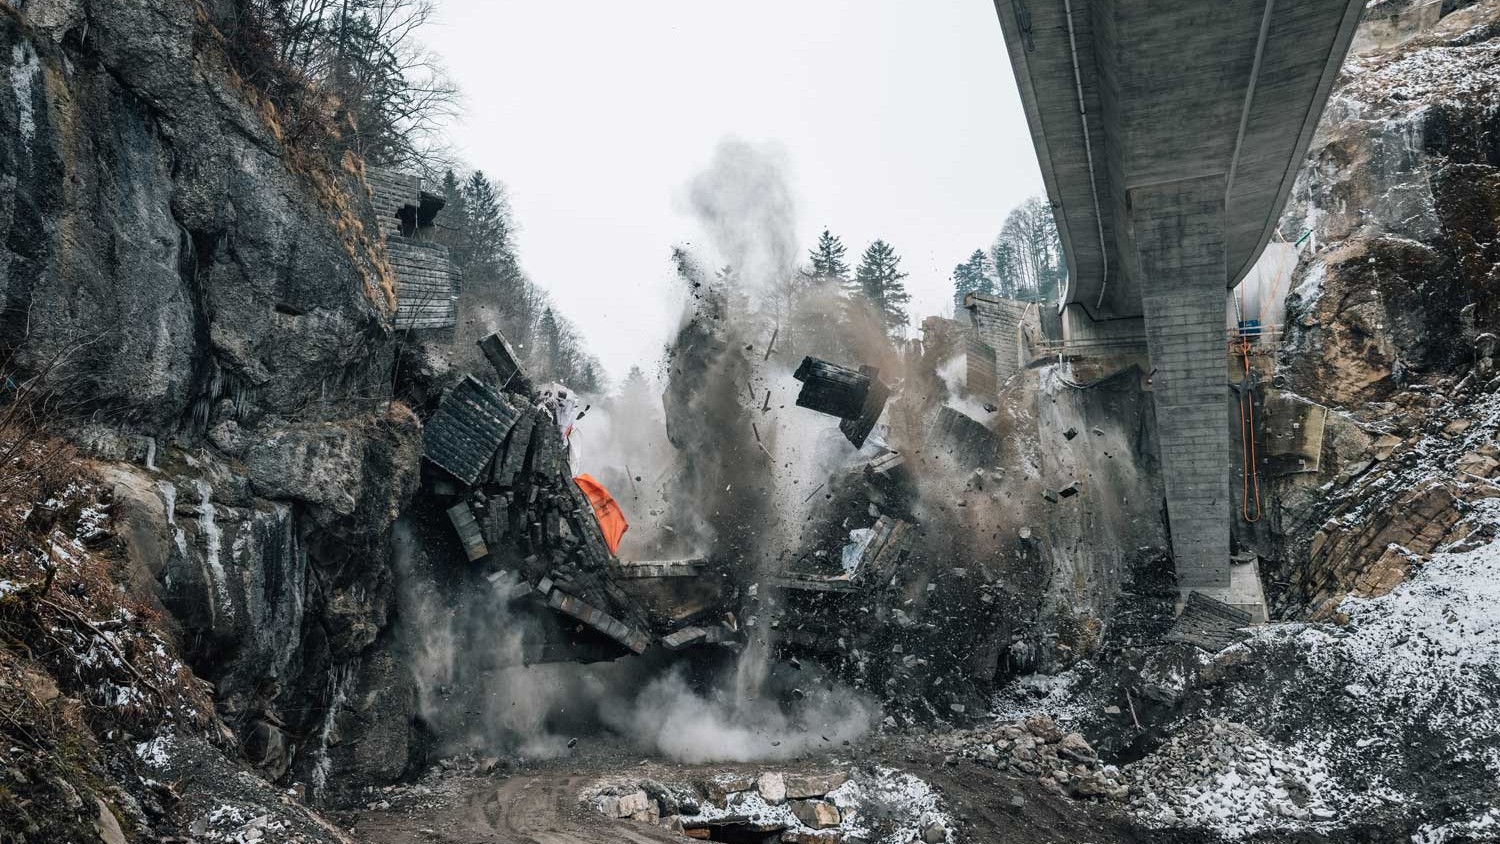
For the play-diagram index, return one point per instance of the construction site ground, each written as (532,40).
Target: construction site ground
(538,802)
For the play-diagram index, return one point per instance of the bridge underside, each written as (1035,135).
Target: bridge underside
(1169,134)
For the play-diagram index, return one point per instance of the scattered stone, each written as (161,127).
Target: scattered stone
(1074,747)
(810,836)
(818,814)
(801,786)
(717,789)
(625,805)
(772,787)
(1044,728)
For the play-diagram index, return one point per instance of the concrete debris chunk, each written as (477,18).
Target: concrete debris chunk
(813,582)
(857,397)
(632,569)
(832,389)
(467,429)
(818,814)
(802,786)
(462,517)
(507,587)
(600,620)
(512,459)
(1208,623)
(502,357)
(967,440)
(680,639)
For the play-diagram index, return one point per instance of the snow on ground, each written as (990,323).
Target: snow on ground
(1362,721)
(1055,694)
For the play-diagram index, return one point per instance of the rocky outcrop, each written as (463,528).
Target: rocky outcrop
(1399,196)
(200,290)
(159,251)
(1392,316)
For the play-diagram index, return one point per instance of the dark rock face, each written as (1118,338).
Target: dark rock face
(157,247)
(224,319)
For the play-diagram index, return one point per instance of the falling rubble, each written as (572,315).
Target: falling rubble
(502,468)
(857,397)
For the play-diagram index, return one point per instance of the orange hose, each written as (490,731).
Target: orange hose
(1251,474)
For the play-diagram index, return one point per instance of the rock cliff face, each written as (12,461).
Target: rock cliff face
(1399,196)
(205,300)
(1394,313)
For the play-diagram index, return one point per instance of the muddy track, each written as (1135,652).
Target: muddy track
(541,807)
(525,809)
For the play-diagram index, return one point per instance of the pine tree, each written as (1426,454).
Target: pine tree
(487,219)
(1003,261)
(880,280)
(972,276)
(828,258)
(550,351)
(453,223)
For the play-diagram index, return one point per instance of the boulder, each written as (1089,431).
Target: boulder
(625,805)
(1044,728)
(319,463)
(934,831)
(108,825)
(718,788)
(1074,747)
(772,787)
(818,814)
(801,786)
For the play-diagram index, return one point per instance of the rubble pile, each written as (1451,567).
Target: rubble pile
(1061,762)
(1224,775)
(874,804)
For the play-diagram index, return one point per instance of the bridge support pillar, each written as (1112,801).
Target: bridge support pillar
(1179,239)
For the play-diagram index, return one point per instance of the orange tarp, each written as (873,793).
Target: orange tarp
(611,520)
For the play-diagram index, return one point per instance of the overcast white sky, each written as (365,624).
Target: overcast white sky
(899,117)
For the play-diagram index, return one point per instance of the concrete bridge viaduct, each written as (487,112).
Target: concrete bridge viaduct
(1169,134)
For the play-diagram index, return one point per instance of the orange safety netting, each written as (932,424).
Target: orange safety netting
(611,520)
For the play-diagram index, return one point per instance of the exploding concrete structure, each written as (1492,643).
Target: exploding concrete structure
(1169,135)
(426,279)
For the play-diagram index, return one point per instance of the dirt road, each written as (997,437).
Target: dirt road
(525,809)
(540,806)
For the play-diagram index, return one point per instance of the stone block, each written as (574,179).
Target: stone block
(772,787)
(818,814)
(801,786)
